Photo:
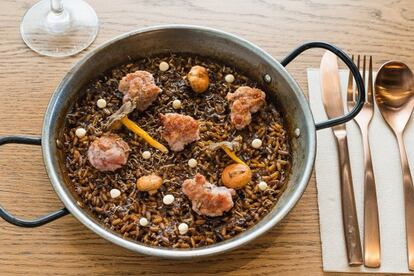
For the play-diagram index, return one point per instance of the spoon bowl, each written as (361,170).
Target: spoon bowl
(394,94)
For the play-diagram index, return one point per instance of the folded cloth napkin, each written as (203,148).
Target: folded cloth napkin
(388,176)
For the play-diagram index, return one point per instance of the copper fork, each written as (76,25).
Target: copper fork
(372,247)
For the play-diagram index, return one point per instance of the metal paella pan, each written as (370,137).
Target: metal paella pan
(261,68)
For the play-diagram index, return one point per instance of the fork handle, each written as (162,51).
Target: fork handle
(349,214)
(372,244)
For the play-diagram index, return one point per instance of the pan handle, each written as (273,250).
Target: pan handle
(40,220)
(354,70)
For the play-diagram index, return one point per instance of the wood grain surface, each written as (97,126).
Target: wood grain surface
(383,29)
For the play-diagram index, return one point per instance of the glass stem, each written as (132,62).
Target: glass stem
(57,20)
(56,6)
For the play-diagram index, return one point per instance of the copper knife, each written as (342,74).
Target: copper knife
(333,104)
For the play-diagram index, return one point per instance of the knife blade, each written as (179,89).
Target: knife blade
(333,104)
(331,86)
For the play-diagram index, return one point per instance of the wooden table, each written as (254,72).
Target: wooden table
(65,247)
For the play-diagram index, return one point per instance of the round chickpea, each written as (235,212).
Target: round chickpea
(236,176)
(198,79)
(149,182)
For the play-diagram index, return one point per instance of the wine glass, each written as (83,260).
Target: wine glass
(59,28)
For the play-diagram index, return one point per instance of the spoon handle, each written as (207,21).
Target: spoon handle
(408,201)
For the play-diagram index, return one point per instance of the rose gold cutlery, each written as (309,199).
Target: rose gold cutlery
(394,94)
(372,248)
(333,104)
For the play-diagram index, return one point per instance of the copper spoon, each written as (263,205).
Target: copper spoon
(394,94)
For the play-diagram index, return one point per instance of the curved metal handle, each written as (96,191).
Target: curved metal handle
(22,222)
(354,70)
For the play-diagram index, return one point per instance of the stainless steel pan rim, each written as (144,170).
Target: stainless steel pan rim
(309,133)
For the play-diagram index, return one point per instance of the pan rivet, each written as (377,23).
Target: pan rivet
(267,78)
(297,132)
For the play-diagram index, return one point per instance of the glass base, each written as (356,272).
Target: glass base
(59,34)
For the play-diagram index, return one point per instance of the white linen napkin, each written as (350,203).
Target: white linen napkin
(388,176)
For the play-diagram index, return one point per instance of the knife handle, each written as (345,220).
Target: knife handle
(349,214)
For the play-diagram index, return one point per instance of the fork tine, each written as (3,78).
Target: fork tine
(358,66)
(363,70)
(370,84)
(350,91)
